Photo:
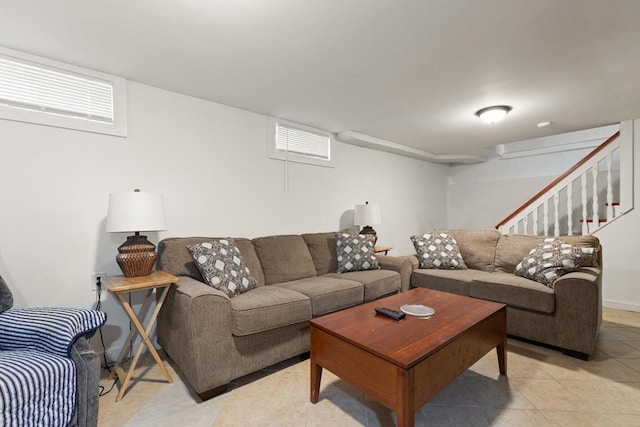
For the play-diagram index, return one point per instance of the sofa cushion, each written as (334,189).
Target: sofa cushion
(222,266)
(551,259)
(284,258)
(174,257)
(38,388)
(327,294)
(355,252)
(377,283)
(511,248)
(266,308)
(322,247)
(514,291)
(452,281)
(438,250)
(477,247)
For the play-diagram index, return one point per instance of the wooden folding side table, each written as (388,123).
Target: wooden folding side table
(380,249)
(119,286)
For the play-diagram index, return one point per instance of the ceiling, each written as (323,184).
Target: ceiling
(411,73)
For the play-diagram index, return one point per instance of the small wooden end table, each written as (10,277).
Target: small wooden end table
(380,249)
(119,286)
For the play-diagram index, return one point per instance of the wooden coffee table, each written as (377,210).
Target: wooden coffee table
(404,364)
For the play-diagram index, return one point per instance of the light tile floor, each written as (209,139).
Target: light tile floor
(543,387)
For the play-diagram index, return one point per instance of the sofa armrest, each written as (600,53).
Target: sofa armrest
(193,288)
(579,308)
(47,329)
(415,263)
(194,328)
(401,264)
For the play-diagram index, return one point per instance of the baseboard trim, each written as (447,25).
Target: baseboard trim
(621,305)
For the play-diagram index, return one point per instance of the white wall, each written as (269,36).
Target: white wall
(209,162)
(481,195)
(620,240)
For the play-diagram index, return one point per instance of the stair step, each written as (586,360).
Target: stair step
(591,220)
(613,204)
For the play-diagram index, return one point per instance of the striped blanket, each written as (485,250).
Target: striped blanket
(37,377)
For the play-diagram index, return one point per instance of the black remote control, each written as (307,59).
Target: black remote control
(397,315)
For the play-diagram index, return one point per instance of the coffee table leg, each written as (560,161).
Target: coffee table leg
(502,357)
(405,410)
(316,376)
(405,419)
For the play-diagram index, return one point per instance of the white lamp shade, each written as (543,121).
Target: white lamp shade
(368,214)
(135,211)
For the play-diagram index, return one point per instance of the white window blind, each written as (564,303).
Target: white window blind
(37,87)
(298,143)
(302,142)
(46,92)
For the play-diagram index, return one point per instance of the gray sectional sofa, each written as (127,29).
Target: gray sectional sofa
(215,339)
(567,316)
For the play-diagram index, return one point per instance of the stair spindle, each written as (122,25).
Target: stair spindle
(585,224)
(596,218)
(570,209)
(610,211)
(556,214)
(545,213)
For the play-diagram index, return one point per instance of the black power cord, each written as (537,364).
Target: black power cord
(102,391)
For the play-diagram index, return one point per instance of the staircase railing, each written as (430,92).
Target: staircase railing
(586,197)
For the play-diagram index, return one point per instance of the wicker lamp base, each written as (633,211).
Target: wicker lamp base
(369,230)
(136,256)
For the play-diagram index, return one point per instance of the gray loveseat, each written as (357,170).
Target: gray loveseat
(215,339)
(567,316)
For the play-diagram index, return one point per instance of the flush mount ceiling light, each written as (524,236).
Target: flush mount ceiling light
(492,115)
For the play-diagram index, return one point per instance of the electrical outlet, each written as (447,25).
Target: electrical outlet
(96,278)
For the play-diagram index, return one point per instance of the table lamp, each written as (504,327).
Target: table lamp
(136,211)
(367,215)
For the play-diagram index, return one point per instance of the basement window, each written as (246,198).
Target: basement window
(301,144)
(41,91)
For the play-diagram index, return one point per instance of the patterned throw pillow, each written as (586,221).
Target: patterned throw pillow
(551,259)
(355,252)
(222,266)
(438,251)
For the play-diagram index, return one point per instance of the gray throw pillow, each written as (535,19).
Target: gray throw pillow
(551,259)
(222,266)
(438,251)
(355,252)
(6,297)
